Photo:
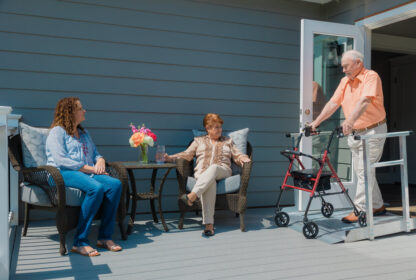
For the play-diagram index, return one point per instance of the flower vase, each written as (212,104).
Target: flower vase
(143,153)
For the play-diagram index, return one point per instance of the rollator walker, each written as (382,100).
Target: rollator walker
(315,181)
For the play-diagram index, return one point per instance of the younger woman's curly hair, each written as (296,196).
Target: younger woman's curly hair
(65,115)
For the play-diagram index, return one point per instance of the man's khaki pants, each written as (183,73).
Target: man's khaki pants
(375,148)
(206,189)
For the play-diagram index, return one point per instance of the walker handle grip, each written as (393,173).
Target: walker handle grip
(308,131)
(339,131)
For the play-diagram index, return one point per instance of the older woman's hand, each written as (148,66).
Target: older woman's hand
(168,158)
(244,159)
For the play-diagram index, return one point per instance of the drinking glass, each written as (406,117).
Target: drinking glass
(160,151)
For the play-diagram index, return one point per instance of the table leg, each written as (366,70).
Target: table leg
(160,199)
(133,201)
(128,200)
(152,201)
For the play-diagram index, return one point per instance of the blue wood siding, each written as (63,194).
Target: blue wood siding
(162,63)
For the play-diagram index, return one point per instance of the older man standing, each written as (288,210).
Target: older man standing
(361,96)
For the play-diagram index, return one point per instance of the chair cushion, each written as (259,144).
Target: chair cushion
(35,195)
(33,145)
(227,185)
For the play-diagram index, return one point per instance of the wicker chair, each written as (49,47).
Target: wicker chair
(66,216)
(236,202)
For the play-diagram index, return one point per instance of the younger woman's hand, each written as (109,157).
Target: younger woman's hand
(99,167)
(87,169)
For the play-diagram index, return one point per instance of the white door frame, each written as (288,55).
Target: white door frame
(308,29)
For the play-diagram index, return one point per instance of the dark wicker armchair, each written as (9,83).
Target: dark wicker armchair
(236,202)
(66,216)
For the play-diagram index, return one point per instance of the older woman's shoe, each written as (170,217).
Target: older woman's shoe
(209,232)
(186,200)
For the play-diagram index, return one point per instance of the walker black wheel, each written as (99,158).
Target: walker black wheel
(282,219)
(310,230)
(327,209)
(362,219)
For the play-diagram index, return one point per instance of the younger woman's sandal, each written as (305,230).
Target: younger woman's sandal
(91,253)
(113,248)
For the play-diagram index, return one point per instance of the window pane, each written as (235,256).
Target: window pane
(327,73)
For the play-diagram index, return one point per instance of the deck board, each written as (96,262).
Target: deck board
(263,252)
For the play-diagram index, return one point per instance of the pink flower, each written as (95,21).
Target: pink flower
(133,128)
(144,130)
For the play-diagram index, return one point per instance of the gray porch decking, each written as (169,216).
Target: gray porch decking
(263,252)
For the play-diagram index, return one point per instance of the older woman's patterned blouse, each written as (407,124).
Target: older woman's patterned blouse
(207,154)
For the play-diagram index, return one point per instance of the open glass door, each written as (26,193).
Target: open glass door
(322,45)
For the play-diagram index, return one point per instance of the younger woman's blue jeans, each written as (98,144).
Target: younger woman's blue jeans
(98,189)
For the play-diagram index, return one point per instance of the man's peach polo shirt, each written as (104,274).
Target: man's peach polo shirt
(366,83)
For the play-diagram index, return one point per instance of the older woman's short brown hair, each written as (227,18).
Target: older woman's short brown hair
(212,118)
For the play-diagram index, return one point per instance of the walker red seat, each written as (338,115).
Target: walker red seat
(316,181)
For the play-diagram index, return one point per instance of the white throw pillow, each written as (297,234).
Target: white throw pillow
(240,139)
(33,145)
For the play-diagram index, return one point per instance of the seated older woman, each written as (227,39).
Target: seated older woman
(69,148)
(213,162)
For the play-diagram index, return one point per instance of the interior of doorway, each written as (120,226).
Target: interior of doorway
(397,70)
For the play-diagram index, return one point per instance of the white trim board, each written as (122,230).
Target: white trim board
(389,17)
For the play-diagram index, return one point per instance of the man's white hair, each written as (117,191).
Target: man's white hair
(354,55)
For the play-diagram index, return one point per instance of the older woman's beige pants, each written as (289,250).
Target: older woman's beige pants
(375,148)
(206,189)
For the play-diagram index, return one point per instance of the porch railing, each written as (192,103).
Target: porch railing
(404,223)
(9,202)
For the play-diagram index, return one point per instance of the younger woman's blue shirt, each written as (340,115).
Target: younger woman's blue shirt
(66,152)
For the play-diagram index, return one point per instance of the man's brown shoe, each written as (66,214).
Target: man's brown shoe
(379,211)
(351,218)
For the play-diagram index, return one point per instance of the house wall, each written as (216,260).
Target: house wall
(162,63)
